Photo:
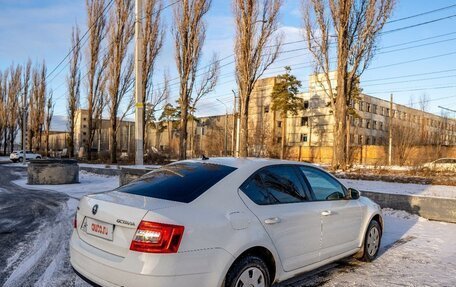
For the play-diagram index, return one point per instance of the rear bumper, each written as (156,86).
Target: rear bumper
(165,272)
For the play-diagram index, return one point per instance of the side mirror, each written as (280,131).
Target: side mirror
(353,193)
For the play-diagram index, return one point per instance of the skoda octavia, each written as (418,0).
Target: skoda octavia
(221,222)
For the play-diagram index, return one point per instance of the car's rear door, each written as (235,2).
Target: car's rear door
(341,218)
(277,196)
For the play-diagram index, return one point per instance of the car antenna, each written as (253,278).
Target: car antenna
(204,157)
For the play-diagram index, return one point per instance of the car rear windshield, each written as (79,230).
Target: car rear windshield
(182,182)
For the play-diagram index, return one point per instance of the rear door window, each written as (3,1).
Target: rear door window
(274,185)
(182,182)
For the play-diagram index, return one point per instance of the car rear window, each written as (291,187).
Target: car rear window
(182,182)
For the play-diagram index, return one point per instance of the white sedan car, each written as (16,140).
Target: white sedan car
(221,222)
(18,156)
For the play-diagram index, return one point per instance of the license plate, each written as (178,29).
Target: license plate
(98,228)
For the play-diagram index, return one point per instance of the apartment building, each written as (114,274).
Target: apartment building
(369,123)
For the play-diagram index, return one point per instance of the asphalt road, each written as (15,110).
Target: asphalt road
(34,231)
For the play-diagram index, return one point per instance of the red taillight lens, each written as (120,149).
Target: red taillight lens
(154,237)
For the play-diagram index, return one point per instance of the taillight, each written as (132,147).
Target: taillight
(155,237)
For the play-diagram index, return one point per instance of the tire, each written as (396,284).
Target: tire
(250,270)
(21,159)
(14,160)
(372,241)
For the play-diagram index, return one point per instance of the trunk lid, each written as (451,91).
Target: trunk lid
(108,221)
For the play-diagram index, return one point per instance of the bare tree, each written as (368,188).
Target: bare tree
(120,67)
(14,89)
(37,106)
(24,108)
(96,21)
(357,25)
(49,115)
(73,82)
(159,96)
(3,109)
(189,35)
(423,102)
(257,47)
(404,140)
(153,35)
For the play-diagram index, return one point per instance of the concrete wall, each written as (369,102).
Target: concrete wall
(53,172)
(370,154)
(433,208)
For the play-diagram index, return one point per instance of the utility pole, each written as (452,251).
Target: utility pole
(139,119)
(233,140)
(226,128)
(238,124)
(24,126)
(390,145)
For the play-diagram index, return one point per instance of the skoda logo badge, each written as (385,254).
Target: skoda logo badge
(95,209)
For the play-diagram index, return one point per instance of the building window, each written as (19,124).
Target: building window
(84,133)
(279,124)
(374,109)
(368,124)
(84,126)
(266,109)
(304,138)
(306,105)
(279,139)
(380,126)
(367,140)
(387,112)
(361,106)
(368,108)
(305,121)
(373,141)
(85,119)
(375,125)
(360,139)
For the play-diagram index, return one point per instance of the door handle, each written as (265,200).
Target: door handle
(326,213)
(272,220)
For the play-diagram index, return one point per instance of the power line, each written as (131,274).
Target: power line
(422,14)
(414,90)
(419,24)
(106,8)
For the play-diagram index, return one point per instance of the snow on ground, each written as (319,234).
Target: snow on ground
(402,188)
(88,183)
(386,167)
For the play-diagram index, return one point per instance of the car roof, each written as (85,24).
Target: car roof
(247,162)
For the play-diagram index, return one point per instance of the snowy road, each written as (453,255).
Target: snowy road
(35,226)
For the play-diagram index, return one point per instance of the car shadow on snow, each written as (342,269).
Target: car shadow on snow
(396,225)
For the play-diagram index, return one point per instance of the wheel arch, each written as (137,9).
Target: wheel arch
(265,254)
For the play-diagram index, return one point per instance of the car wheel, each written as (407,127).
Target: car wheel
(372,241)
(21,159)
(248,271)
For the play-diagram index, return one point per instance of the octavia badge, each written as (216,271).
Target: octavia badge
(95,209)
